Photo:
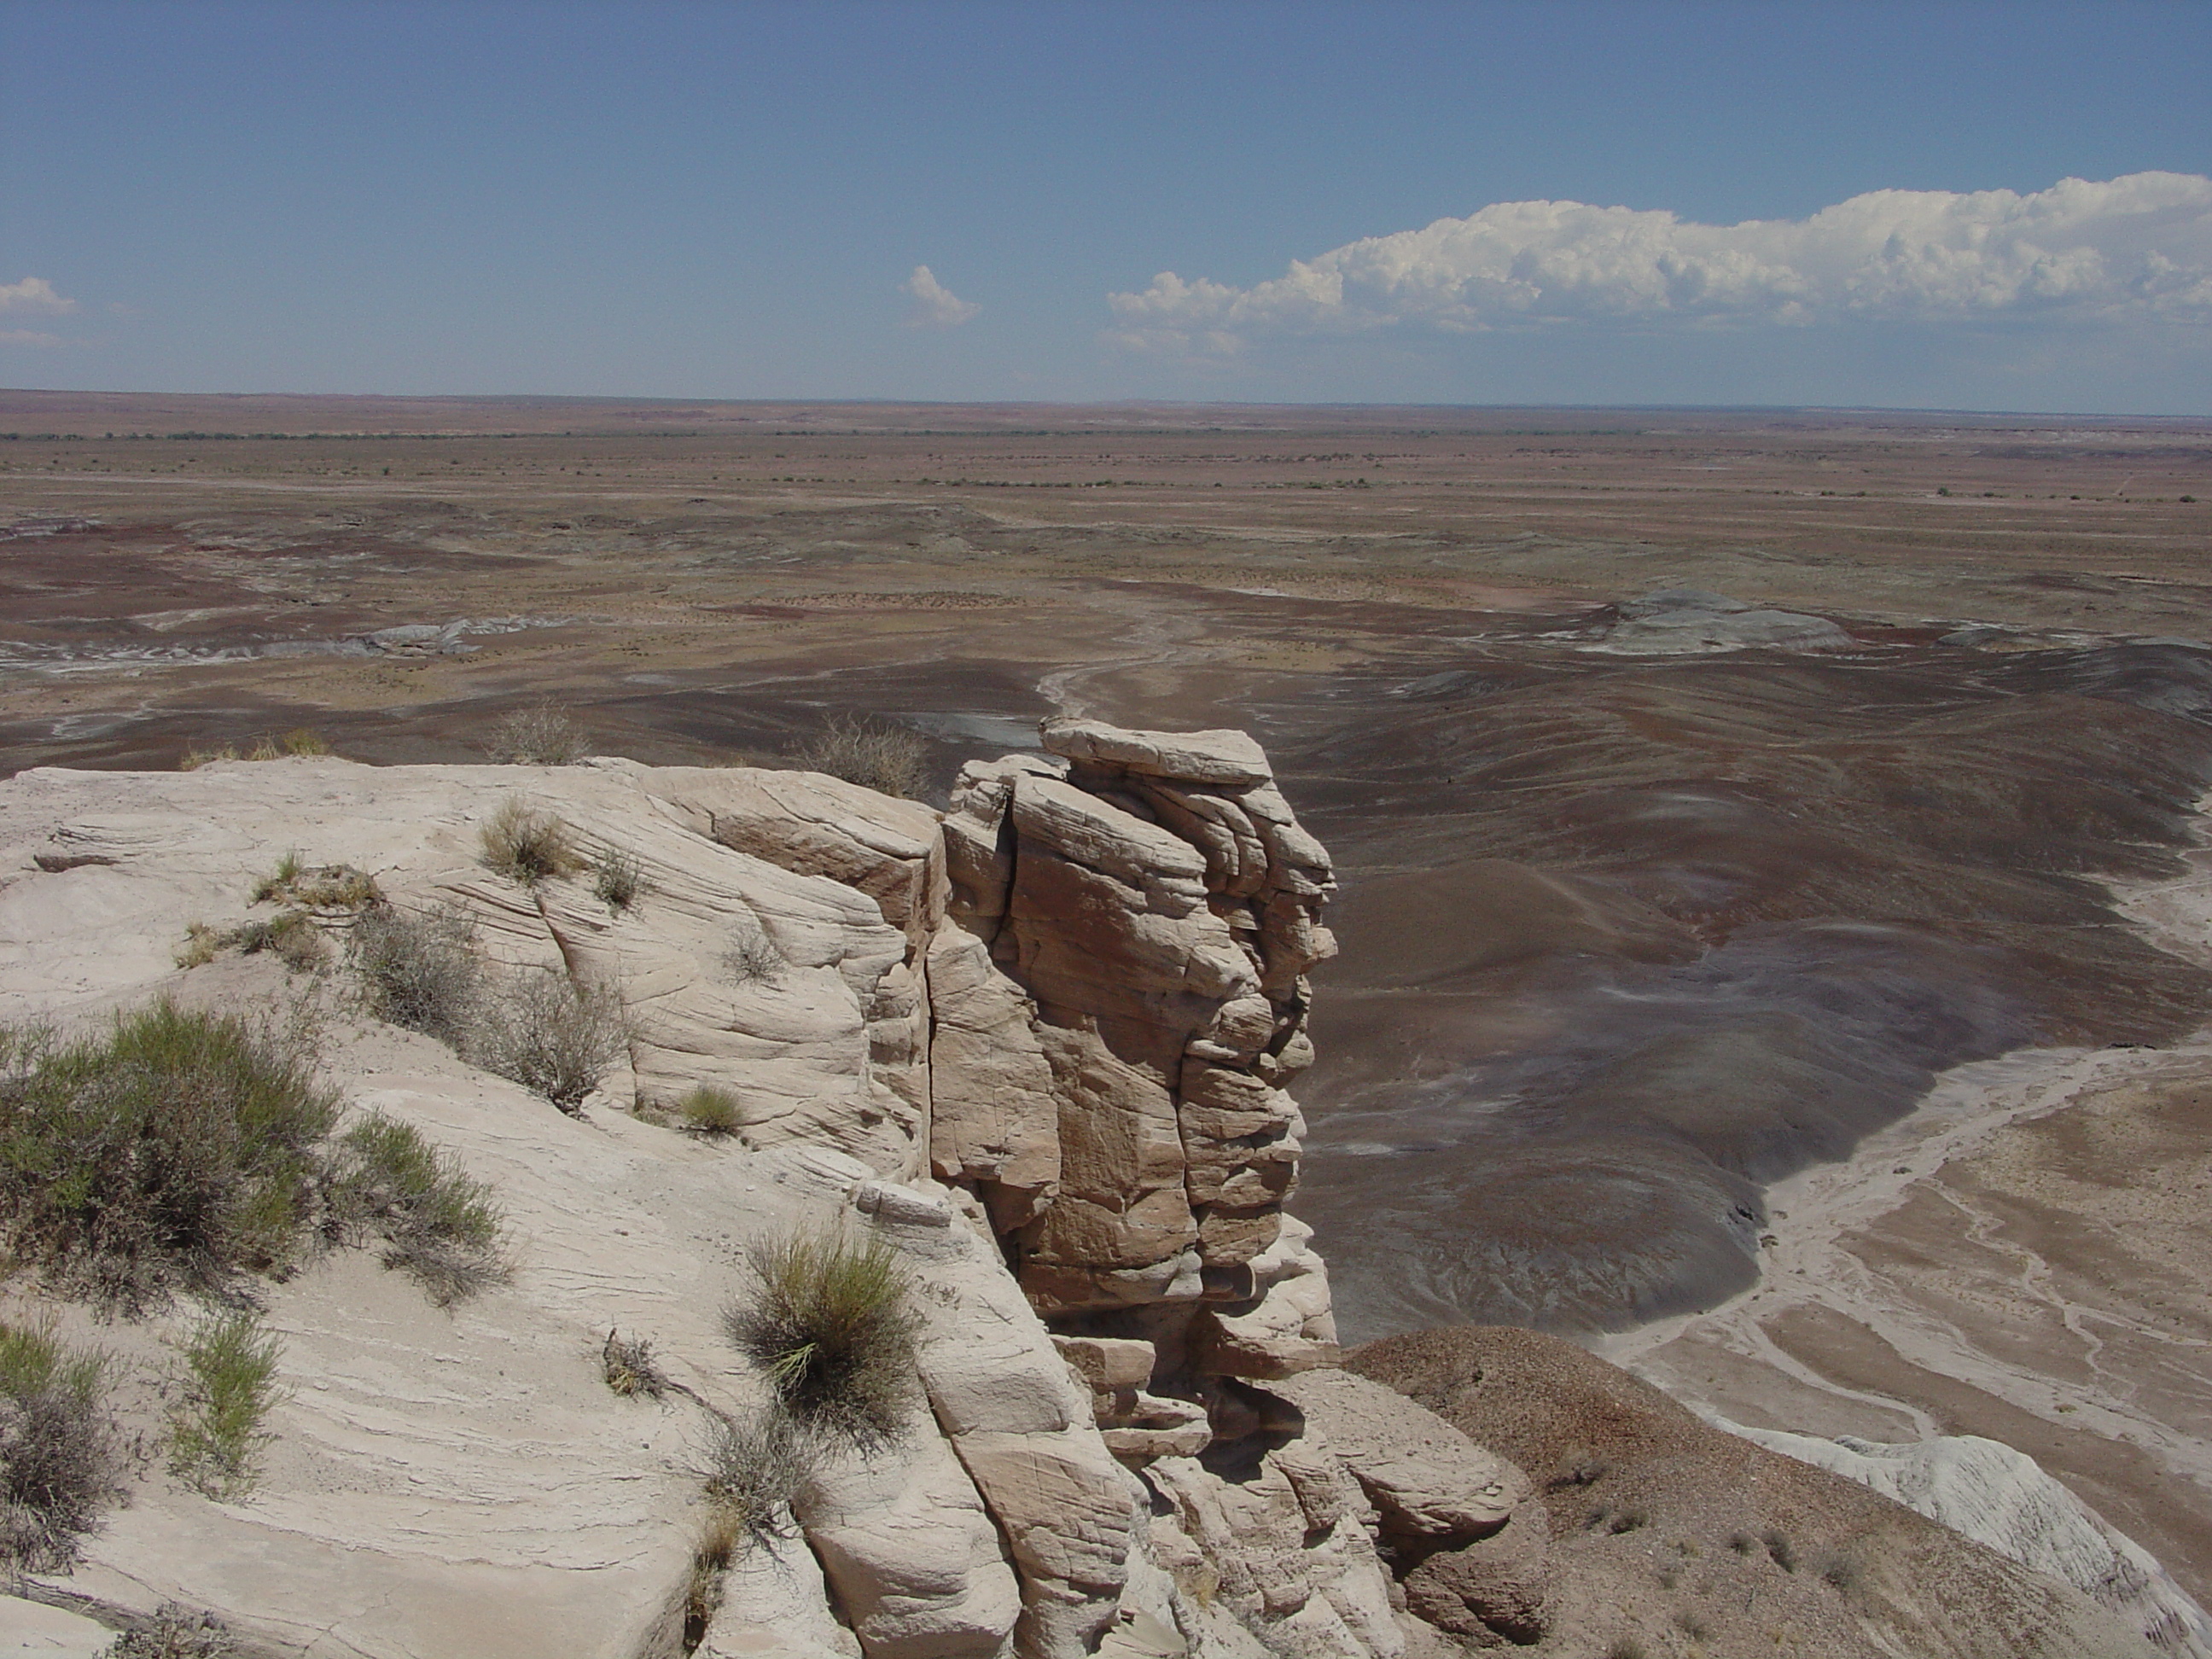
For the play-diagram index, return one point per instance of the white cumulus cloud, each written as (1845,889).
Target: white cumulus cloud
(935,306)
(2136,247)
(34,294)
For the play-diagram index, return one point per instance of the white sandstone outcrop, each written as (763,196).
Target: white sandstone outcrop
(1039,1045)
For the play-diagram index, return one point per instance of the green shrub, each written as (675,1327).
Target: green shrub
(629,1368)
(830,1324)
(230,1364)
(540,735)
(61,1458)
(618,878)
(526,847)
(708,1110)
(173,1150)
(305,740)
(885,758)
(418,969)
(440,1225)
(552,1036)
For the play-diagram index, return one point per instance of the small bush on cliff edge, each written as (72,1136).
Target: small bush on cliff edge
(830,1324)
(887,759)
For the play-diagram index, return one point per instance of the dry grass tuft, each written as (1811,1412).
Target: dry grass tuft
(708,1110)
(324,887)
(278,882)
(526,847)
(290,935)
(888,759)
(628,1363)
(266,746)
(830,1323)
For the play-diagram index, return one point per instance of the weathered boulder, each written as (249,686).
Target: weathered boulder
(1468,1538)
(1424,1478)
(1281,1547)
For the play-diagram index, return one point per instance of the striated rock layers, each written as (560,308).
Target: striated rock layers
(1039,1043)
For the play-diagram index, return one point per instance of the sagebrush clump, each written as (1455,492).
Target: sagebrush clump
(176,1631)
(439,1224)
(419,970)
(830,1322)
(756,1467)
(754,1470)
(888,759)
(61,1457)
(173,1150)
(543,734)
(552,1036)
(751,958)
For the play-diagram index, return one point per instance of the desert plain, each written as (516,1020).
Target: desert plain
(1776,914)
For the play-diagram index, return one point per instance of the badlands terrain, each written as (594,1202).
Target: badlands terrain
(1773,932)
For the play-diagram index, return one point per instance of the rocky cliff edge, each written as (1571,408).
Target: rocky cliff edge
(1041,1044)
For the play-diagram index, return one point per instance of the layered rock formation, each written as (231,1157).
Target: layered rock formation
(1040,1044)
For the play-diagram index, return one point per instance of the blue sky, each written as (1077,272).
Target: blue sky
(733,200)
